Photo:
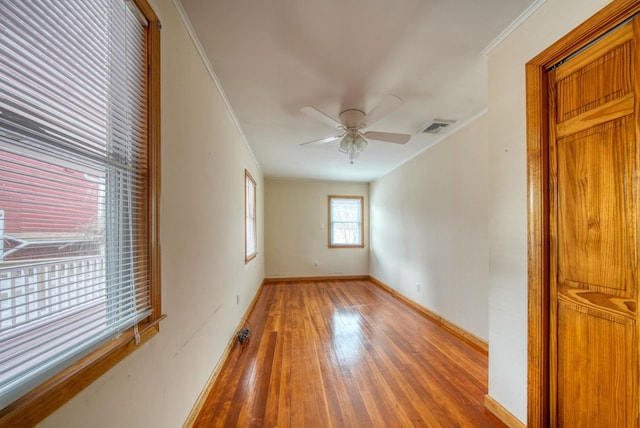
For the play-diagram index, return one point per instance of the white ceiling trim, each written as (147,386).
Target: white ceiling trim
(513,26)
(214,77)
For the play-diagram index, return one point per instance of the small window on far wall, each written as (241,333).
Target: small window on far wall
(346,219)
(250,233)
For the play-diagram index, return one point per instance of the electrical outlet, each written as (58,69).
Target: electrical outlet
(237,299)
(418,286)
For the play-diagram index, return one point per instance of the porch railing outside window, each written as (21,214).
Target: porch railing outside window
(76,167)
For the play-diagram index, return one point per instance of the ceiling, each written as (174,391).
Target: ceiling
(273,57)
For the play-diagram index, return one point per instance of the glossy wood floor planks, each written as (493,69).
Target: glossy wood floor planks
(346,354)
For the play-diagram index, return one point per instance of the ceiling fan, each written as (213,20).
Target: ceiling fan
(352,126)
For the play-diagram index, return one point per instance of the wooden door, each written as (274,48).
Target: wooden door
(593,227)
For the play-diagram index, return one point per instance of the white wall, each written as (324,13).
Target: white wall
(296,215)
(507,194)
(429,226)
(202,235)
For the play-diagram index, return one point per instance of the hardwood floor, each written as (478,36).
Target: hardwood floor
(346,354)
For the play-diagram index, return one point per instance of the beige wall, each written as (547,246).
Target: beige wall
(202,235)
(436,236)
(507,194)
(429,226)
(296,230)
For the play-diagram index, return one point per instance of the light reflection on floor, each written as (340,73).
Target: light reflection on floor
(346,338)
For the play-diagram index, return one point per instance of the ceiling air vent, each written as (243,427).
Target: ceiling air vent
(436,126)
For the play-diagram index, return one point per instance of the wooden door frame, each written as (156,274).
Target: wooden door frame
(538,196)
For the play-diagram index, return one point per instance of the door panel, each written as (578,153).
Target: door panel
(596,221)
(593,160)
(596,76)
(593,384)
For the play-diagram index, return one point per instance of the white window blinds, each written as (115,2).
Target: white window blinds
(73,183)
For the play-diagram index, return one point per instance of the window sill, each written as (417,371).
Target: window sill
(51,395)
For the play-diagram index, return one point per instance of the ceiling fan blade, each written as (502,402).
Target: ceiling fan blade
(389,137)
(318,115)
(384,107)
(322,140)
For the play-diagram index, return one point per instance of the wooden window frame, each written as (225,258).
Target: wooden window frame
(330,222)
(46,398)
(250,256)
(606,19)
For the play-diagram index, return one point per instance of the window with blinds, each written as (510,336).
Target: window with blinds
(250,229)
(75,207)
(346,221)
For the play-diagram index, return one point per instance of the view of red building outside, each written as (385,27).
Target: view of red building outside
(47,208)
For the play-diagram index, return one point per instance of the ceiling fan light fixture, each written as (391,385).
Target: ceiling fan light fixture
(352,124)
(360,142)
(346,143)
(352,144)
